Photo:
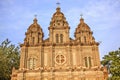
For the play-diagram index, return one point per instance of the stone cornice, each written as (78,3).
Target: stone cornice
(61,69)
(60,27)
(61,44)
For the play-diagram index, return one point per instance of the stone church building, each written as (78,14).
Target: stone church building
(59,57)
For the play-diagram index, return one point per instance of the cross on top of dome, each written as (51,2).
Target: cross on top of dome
(58,7)
(35,15)
(81,19)
(35,19)
(81,15)
(58,4)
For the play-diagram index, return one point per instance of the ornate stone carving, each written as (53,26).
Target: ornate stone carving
(59,57)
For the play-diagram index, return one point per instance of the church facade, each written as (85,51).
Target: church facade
(59,57)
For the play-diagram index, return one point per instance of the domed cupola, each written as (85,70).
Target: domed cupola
(58,20)
(34,34)
(83,26)
(83,33)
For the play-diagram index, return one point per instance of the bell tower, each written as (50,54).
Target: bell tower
(84,38)
(58,28)
(29,51)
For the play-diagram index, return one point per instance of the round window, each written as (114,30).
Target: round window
(60,59)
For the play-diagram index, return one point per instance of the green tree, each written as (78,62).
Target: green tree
(112,61)
(9,58)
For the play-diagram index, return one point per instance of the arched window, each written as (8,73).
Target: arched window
(80,39)
(33,40)
(32,63)
(86,63)
(84,39)
(89,58)
(38,37)
(57,40)
(28,40)
(61,38)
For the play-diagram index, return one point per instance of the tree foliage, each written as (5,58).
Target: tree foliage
(112,61)
(9,58)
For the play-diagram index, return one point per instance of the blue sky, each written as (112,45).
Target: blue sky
(103,17)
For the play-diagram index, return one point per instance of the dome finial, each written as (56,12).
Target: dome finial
(58,4)
(81,19)
(58,7)
(35,19)
(35,15)
(81,15)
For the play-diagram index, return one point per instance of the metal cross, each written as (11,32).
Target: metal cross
(58,3)
(35,16)
(81,15)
